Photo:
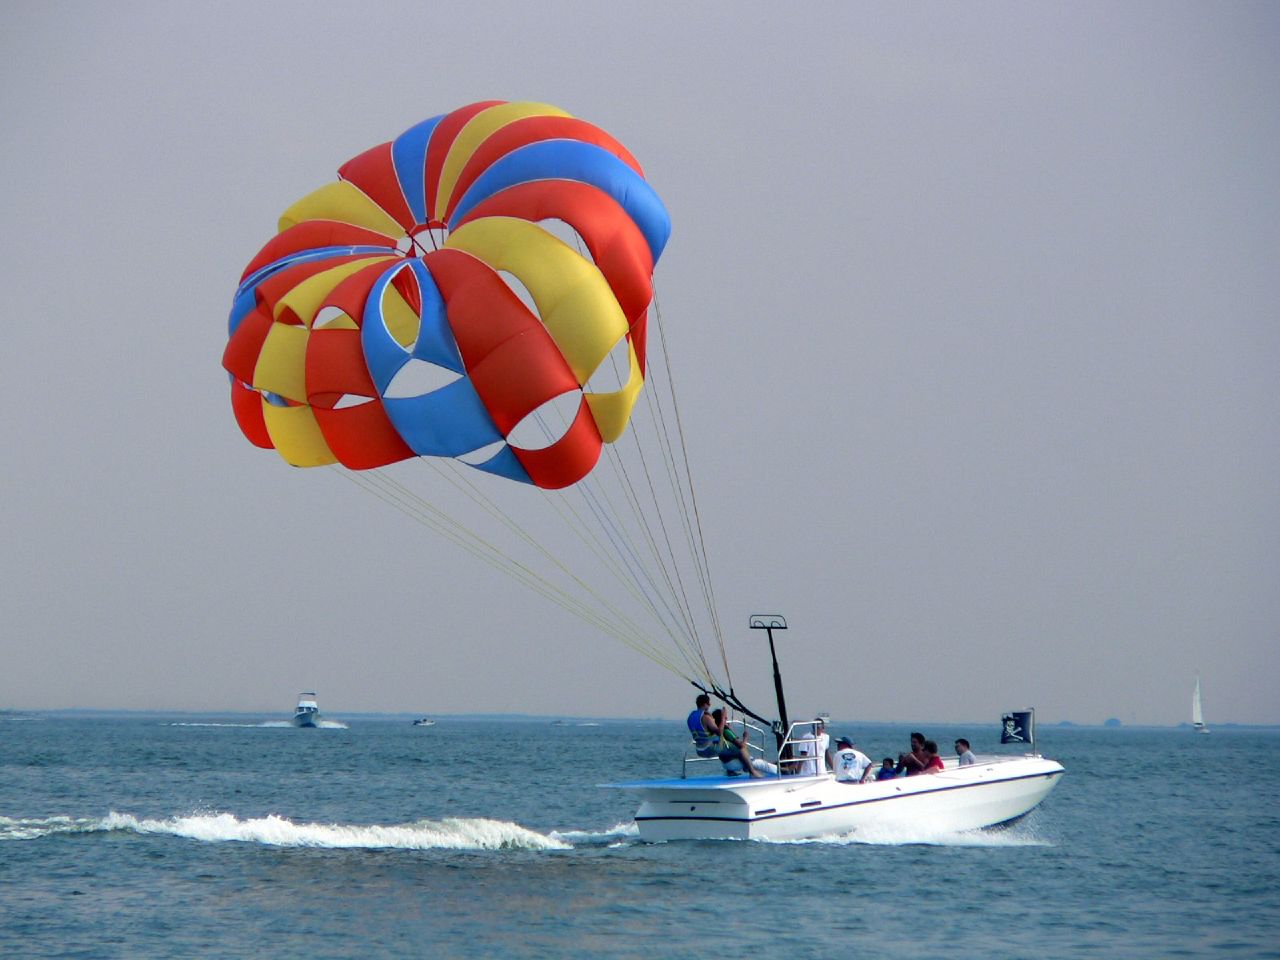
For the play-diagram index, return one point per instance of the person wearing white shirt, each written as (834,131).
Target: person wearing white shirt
(964,753)
(810,749)
(823,752)
(851,764)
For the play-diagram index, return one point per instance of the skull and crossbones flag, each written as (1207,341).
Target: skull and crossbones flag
(1016,727)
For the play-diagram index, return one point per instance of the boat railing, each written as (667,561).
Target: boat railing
(742,728)
(985,759)
(799,754)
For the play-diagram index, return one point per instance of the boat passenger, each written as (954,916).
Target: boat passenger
(810,749)
(803,765)
(964,753)
(708,736)
(753,765)
(851,764)
(887,770)
(703,742)
(913,762)
(826,760)
(933,762)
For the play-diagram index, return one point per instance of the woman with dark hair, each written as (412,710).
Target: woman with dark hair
(933,762)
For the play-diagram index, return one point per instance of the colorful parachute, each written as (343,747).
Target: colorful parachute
(405,261)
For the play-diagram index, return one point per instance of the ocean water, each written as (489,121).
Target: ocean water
(176,836)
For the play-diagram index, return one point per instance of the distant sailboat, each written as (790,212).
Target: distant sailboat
(1197,714)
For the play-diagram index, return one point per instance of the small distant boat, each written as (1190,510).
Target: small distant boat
(307,713)
(424,722)
(1197,713)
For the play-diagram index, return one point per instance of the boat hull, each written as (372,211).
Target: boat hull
(986,794)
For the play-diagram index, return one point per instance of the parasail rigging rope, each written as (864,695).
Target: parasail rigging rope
(648,568)
(419,509)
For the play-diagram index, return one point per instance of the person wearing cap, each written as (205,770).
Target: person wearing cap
(851,764)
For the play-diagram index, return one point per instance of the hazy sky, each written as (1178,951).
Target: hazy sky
(973,310)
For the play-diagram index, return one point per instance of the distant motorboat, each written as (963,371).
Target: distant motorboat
(307,713)
(1197,713)
(424,722)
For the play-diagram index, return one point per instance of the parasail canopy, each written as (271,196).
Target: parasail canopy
(477,291)
(427,304)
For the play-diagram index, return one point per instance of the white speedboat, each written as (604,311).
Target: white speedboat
(307,713)
(424,722)
(799,798)
(994,791)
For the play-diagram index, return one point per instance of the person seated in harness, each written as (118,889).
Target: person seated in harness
(734,742)
(709,737)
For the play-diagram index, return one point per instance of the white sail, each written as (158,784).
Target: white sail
(1197,713)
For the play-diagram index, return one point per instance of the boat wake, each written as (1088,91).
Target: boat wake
(275,831)
(618,834)
(450,833)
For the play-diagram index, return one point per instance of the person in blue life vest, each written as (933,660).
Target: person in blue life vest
(709,737)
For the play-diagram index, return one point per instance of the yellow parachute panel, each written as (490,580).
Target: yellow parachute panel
(296,435)
(341,201)
(611,411)
(576,304)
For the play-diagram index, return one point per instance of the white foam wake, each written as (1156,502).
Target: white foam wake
(32,828)
(618,833)
(446,834)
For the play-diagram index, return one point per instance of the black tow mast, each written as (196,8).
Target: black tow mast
(770,622)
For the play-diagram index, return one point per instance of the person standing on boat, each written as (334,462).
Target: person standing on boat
(824,745)
(851,764)
(964,753)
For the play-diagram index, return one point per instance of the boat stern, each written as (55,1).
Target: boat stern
(695,809)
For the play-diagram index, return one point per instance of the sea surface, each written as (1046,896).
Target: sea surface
(180,836)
